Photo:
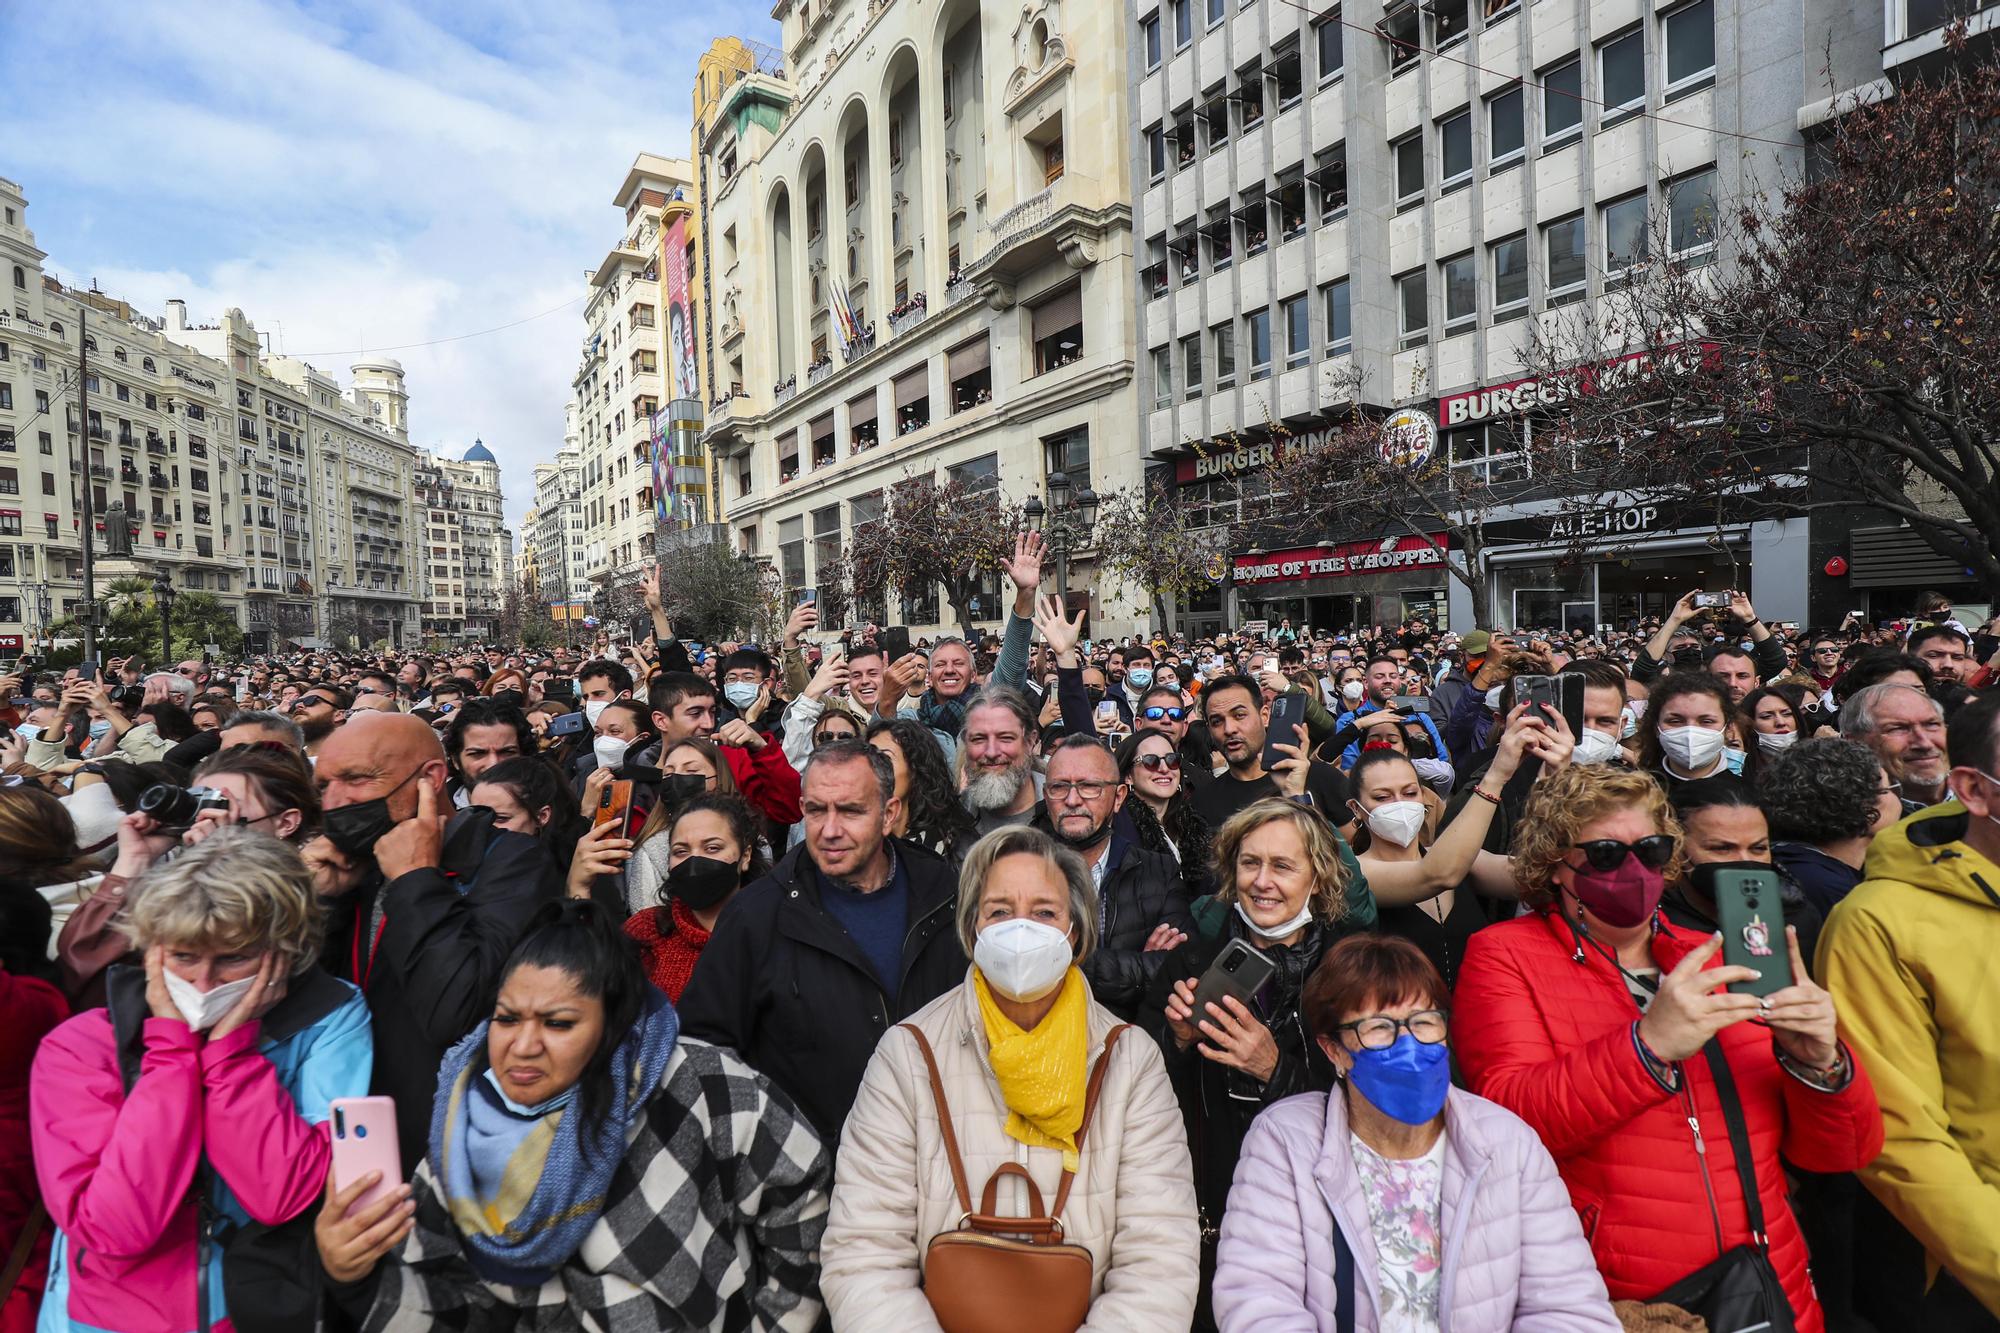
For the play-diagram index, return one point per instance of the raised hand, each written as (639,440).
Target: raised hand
(804,617)
(1024,568)
(417,842)
(831,676)
(1692,1006)
(1057,630)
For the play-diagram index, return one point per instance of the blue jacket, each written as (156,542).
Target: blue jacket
(1353,751)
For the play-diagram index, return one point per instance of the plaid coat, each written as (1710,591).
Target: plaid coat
(713,1222)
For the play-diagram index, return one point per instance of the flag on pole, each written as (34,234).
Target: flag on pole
(843,317)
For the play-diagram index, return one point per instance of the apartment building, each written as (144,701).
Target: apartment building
(469,551)
(917,239)
(1396,196)
(618,388)
(562,576)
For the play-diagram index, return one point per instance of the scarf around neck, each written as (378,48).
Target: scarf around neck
(1042,1072)
(525,1189)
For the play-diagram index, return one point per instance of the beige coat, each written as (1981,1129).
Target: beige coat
(1132,1204)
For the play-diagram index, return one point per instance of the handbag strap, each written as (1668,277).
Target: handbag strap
(24,1246)
(1739,1137)
(950,1135)
(1343,1281)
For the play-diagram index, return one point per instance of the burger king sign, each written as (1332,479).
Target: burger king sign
(1409,438)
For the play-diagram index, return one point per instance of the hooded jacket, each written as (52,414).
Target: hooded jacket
(1907,956)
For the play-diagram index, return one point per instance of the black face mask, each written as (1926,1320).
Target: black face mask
(354,829)
(1085,843)
(702,881)
(677,789)
(1094,693)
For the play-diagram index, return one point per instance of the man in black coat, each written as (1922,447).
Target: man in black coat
(423,904)
(1142,901)
(850,933)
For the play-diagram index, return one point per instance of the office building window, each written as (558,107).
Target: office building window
(1510,278)
(1183,23)
(1413,309)
(1409,171)
(1298,332)
(1150,26)
(1215,11)
(1332,52)
(1191,366)
(1691,215)
(1156,151)
(1566,251)
(1621,74)
(1562,101)
(1455,148)
(1257,325)
(1450,20)
(1399,29)
(1223,339)
(1690,43)
(1339,318)
(1624,235)
(1504,132)
(1461,294)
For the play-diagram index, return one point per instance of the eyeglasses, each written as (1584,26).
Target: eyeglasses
(1894,789)
(1089,791)
(1156,762)
(1378,1032)
(1609,853)
(1155,713)
(1826,652)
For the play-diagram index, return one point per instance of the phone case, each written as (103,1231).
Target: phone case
(1752,917)
(615,805)
(1287,711)
(364,1140)
(1251,970)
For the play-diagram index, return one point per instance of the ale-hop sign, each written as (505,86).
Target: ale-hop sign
(1344,560)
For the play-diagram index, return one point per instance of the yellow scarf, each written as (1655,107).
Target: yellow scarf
(1042,1072)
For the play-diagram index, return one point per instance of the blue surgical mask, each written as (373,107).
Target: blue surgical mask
(28,731)
(740,693)
(1406,1081)
(99,727)
(1139,677)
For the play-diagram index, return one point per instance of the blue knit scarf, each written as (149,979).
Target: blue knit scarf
(519,1186)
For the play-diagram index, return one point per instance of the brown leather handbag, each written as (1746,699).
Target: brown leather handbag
(996,1274)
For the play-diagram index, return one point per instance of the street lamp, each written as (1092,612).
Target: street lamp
(163,596)
(1066,521)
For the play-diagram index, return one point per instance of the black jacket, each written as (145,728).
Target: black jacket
(782,983)
(431,976)
(1141,890)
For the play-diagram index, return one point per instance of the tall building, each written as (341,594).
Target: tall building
(470,551)
(917,247)
(563,579)
(240,474)
(1406,193)
(618,388)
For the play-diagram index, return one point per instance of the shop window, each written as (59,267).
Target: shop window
(1222,338)
(1298,331)
(1455,151)
(1450,21)
(1328,42)
(1399,28)
(1562,103)
(1329,180)
(1409,171)
(1691,216)
(1461,294)
(1491,453)
(1621,76)
(1689,38)
(1191,366)
(1413,309)
(1058,329)
(1163,377)
(1339,317)
(1219,237)
(1565,242)
(1510,278)
(1257,329)
(1504,128)
(1624,236)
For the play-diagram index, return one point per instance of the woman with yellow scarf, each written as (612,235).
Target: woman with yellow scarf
(1015,1052)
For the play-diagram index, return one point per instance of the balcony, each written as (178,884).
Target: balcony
(908,314)
(860,347)
(785,390)
(158,479)
(819,370)
(1058,221)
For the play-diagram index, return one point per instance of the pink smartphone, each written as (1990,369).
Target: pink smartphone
(364,1140)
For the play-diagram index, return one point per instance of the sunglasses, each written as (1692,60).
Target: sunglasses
(1155,713)
(1155,762)
(1609,853)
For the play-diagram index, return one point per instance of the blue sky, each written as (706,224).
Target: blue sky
(357,175)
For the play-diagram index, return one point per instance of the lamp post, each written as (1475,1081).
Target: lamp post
(1066,521)
(163,597)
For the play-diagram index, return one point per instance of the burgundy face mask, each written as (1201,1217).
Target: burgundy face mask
(1623,897)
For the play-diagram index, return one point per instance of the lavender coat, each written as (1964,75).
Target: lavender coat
(1514,1253)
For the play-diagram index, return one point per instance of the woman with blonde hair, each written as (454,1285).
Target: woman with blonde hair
(1289,889)
(1608,1030)
(1019,1084)
(181,1125)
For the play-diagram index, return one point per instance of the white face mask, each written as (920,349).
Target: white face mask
(610,751)
(1776,742)
(1691,749)
(1022,960)
(1493,698)
(1351,691)
(1397,821)
(594,709)
(203,1010)
(1595,747)
(740,693)
(1276,932)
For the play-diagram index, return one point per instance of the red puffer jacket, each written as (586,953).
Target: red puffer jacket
(1546,1031)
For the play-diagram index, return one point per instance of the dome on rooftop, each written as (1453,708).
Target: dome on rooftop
(479,453)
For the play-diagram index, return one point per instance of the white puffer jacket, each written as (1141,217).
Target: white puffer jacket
(1132,1203)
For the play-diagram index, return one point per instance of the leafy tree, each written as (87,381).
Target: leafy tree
(1848,350)
(712,595)
(1146,538)
(200,619)
(935,534)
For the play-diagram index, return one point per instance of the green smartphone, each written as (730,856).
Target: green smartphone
(1752,917)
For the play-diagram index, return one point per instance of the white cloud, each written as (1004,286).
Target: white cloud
(358,176)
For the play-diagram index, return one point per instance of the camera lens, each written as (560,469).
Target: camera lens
(1750,901)
(170,806)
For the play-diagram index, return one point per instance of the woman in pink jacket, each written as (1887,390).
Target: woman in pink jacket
(178,1133)
(1397,1200)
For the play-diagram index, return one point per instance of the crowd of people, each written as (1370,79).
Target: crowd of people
(1381,979)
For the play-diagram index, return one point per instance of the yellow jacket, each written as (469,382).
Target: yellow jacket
(1909,956)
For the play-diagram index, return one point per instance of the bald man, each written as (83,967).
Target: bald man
(424,902)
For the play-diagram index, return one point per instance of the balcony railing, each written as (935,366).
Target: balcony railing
(819,370)
(785,390)
(909,314)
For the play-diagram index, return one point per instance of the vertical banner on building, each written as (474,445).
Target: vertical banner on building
(680,319)
(662,503)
